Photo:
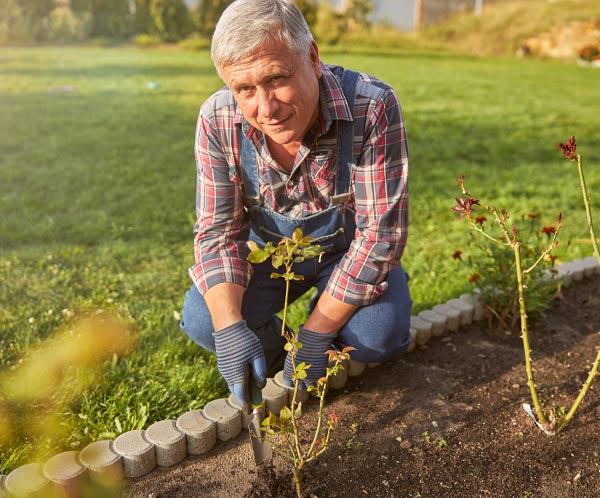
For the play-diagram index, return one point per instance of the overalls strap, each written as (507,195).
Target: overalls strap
(343,192)
(343,177)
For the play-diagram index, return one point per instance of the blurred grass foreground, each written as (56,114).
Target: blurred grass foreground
(97,187)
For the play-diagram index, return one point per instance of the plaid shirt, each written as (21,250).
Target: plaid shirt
(379,184)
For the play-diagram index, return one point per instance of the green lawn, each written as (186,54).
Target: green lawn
(97,201)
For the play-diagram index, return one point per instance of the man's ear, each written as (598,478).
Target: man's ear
(315,62)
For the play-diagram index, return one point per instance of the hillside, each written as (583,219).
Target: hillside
(503,26)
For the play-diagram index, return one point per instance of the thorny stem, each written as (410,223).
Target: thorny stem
(525,337)
(582,393)
(588,211)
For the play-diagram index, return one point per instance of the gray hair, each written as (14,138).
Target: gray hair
(246,24)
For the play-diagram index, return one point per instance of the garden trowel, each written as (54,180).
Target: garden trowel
(260,446)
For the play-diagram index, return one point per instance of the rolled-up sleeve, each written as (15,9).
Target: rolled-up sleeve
(380,183)
(221,229)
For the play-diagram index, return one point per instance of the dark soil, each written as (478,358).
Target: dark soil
(443,421)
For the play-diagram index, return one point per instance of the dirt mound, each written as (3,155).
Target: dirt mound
(574,40)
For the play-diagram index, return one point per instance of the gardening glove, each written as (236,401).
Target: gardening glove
(239,355)
(312,353)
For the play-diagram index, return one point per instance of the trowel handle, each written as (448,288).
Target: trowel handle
(256,399)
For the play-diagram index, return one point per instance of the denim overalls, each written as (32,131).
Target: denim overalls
(377,331)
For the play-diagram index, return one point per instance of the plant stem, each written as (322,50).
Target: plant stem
(298,481)
(588,211)
(525,336)
(582,393)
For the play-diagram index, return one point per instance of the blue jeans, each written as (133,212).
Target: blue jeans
(377,331)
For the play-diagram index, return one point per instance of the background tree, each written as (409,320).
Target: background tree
(309,10)
(108,18)
(25,20)
(171,20)
(359,11)
(207,13)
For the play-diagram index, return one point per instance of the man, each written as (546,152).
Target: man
(292,143)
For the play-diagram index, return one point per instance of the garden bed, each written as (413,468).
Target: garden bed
(443,421)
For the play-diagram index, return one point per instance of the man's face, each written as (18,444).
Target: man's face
(276,91)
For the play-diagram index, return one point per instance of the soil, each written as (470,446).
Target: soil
(443,421)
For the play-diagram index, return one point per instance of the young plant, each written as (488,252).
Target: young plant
(569,150)
(492,271)
(285,254)
(510,239)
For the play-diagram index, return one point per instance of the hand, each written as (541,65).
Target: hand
(312,353)
(239,355)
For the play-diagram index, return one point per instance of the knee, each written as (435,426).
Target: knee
(196,321)
(384,343)
(379,334)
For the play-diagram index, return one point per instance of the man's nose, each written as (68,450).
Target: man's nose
(267,102)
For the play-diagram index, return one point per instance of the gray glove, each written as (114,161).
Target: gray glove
(312,353)
(240,353)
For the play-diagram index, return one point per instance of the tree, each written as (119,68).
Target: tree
(359,12)
(309,11)
(25,20)
(207,14)
(110,18)
(171,19)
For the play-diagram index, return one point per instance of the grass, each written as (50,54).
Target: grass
(97,202)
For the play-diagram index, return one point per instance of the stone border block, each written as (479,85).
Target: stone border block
(104,464)
(565,273)
(466,310)
(27,480)
(423,329)
(438,322)
(413,341)
(477,302)
(302,396)
(339,380)
(3,492)
(589,265)
(139,454)
(227,418)
(66,473)
(356,368)
(246,417)
(200,431)
(452,315)
(592,262)
(275,396)
(170,443)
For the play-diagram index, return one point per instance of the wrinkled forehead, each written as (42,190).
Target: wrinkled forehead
(272,43)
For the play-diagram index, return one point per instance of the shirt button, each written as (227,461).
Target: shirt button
(290,183)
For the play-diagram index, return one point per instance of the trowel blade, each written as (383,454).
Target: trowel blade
(261,447)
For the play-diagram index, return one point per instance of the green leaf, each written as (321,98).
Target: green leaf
(276,275)
(258,256)
(297,235)
(277,260)
(301,374)
(289,275)
(285,415)
(298,345)
(298,277)
(312,251)
(288,347)
(298,259)
(253,246)
(298,412)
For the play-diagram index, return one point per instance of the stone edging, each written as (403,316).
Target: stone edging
(168,442)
